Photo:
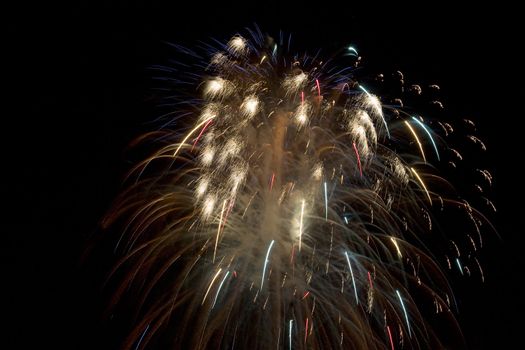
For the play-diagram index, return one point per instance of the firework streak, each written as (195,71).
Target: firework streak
(288,215)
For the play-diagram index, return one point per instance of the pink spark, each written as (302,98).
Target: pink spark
(370,280)
(200,134)
(318,87)
(390,336)
(272,181)
(306,330)
(358,160)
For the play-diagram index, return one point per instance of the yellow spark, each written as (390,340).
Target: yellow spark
(417,140)
(393,239)
(191,133)
(211,109)
(422,184)
(249,203)
(211,284)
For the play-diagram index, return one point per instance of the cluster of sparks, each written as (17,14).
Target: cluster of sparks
(289,215)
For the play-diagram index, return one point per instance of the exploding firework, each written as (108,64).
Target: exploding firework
(291,212)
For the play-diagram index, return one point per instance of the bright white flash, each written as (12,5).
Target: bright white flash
(217,88)
(237,45)
(301,114)
(207,156)
(214,86)
(250,106)
(208,206)
(202,187)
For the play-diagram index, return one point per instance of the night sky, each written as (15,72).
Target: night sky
(79,91)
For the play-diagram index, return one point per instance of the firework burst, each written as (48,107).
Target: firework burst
(290,214)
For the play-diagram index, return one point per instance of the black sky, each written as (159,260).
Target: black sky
(78,91)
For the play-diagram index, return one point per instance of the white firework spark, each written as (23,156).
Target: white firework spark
(287,214)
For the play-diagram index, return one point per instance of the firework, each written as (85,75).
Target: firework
(291,213)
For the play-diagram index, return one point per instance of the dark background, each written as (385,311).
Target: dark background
(77,91)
